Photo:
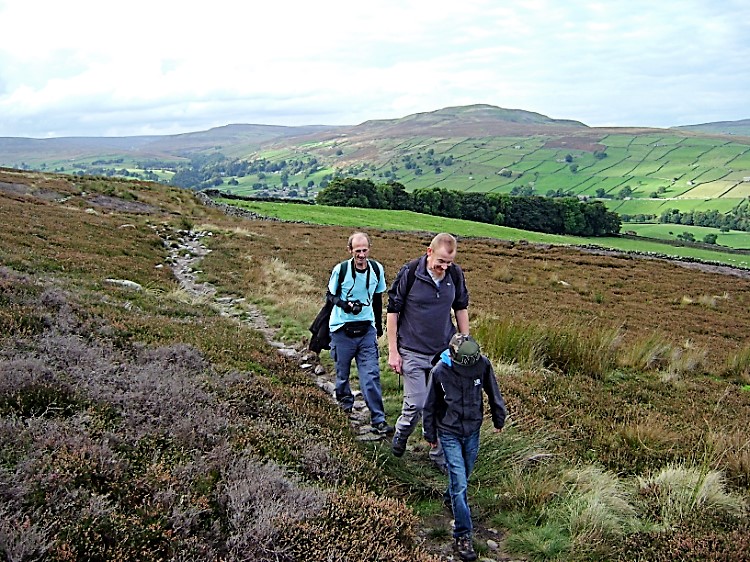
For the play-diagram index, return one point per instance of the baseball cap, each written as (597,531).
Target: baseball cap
(464,350)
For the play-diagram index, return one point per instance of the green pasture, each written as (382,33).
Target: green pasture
(393,220)
(636,206)
(742,162)
(410,221)
(741,190)
(709,190)
(733,239)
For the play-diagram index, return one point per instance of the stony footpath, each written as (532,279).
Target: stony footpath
(186,249)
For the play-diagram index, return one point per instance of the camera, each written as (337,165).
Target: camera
(355,307)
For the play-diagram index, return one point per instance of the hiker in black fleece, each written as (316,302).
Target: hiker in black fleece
(453,414)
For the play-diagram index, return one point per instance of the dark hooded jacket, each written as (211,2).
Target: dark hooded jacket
(454,398)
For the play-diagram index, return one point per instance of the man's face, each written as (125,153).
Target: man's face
(360,251)
(439,260)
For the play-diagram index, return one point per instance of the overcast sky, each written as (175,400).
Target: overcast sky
(93,68)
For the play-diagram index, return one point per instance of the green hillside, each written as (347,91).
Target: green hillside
(478,148)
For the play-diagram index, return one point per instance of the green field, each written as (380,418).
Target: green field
(663,169)
(733,239)
(410,221)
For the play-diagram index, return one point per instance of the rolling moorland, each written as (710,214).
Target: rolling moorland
(640,173)
(138,422)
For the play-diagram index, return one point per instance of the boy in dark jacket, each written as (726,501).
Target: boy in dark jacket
(453,414)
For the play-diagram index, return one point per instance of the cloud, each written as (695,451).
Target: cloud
(167,67)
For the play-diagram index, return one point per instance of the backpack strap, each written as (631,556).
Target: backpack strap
(411,274)
(344,267)
(342,275)
(375,268)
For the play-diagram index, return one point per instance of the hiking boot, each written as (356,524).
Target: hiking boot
(398,446)
(382,428)
(465,548)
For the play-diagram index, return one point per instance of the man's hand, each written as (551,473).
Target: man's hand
(394,361)
(433,445)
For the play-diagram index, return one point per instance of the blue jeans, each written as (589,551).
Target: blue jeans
(460,455)
(364,350)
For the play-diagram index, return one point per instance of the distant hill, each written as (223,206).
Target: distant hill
(741,127)
(471,120)
(14,150)
(638,172)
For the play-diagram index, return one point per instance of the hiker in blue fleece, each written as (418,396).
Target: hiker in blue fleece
(453,414)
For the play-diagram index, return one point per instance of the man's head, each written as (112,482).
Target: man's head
(441,253)
(359,247)
(464,350)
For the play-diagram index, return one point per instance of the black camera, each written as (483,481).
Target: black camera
(355,307)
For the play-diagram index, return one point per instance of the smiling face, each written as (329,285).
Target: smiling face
(360,250)
(439,259)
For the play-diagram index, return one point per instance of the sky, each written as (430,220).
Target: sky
(158,67)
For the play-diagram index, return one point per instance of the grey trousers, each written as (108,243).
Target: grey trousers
(415,369)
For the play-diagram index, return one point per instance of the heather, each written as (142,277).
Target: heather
(144,422)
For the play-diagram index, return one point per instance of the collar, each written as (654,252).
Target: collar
(445,357)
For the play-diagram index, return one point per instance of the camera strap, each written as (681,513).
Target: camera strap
(354,281)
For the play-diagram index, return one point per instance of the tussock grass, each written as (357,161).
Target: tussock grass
(731,450)
(649,432)
(656,353)
(503,273)
(707,301)
(646,353)
(591,507)
(678,493)
(598,506)
(527,480)
(737,366)
(568,348)
(686,359)
(545,542)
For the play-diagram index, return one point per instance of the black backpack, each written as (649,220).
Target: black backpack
(321,335)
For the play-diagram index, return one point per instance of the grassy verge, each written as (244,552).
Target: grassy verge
(408,220)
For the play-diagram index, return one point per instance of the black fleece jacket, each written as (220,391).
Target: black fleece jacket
(454,399)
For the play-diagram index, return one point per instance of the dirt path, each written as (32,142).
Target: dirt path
(186,252)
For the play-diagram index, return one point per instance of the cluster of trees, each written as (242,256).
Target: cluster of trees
(206,171)
(419,162)
(539,214)
(690,237)
(737,219)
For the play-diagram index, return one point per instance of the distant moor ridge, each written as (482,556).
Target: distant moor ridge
(637,172)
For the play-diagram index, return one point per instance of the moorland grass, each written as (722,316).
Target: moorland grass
(565,348)
(408,220)
(139,407)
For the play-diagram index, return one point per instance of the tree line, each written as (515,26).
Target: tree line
(566,215)
(736,219)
